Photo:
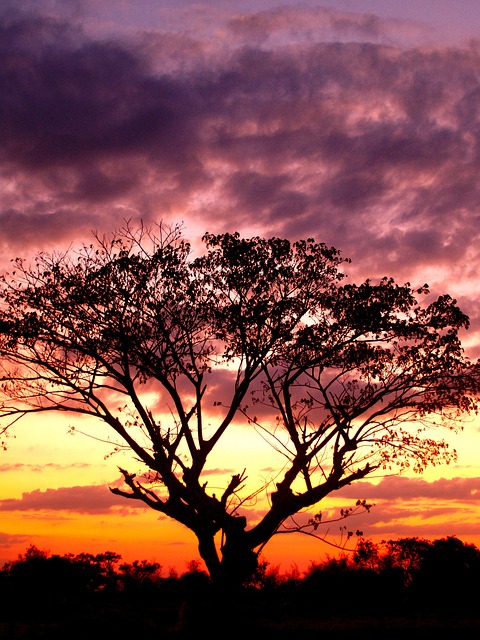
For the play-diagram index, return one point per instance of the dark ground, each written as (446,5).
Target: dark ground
(123,624)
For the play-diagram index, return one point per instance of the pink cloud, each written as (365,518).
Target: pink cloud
(398,488)
(442,507)
(439,508)
(37,468)
(79,499)
(308,24)
(403,507)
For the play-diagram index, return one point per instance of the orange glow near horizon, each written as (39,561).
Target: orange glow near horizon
(47,466)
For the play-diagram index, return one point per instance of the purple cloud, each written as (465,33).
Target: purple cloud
(368,147)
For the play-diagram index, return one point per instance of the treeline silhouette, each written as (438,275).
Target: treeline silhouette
(431,584)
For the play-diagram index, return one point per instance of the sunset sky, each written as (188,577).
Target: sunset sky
(355,122)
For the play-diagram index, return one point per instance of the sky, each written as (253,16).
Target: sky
(355,122)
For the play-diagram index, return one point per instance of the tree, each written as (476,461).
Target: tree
(436,575)
(404,554)
(171,351)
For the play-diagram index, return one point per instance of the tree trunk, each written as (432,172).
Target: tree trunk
(238,562)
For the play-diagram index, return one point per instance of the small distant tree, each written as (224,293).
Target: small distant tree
(403,554)
(140,572)
(434,575)
(173,351)
(447,576)
(39,582)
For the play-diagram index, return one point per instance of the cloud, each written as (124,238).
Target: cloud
(37,468)
(360,142)
(84,125)
(398,488)
(95,499)
(291,24)
(9,539)
(406,507)
(403,506)
(82,100)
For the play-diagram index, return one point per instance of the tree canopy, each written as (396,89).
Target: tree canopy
(170,350)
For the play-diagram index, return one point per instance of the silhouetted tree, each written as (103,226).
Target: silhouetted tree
(38,583)
(448,576)
(172,352)
(67,593)
(405,554)
(439,576)
(140,572)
